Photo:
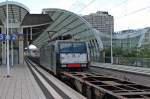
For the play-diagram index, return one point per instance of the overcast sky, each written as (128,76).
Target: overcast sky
(125,12)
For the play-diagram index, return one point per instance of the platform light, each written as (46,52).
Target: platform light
(111,45)
(7,35)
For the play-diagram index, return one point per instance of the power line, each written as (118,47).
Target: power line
(133,12)
(86,5)
(117,5)
(79,6)
(76,4)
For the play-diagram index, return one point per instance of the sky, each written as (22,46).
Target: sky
(128,14)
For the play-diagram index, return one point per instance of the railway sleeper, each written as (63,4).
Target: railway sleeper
(102,87)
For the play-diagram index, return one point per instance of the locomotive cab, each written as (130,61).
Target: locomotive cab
(65,55)
(72,55)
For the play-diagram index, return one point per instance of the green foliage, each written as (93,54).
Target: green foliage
(119,52)
(145,53)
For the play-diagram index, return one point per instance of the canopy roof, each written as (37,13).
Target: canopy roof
(33,20)
(67,23)
(51,24)
(16,11)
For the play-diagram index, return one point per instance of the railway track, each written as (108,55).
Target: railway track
(51,86)
(96,86)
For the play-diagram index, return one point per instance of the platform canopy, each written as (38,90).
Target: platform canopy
(52,24)
(16,12)
(69,25)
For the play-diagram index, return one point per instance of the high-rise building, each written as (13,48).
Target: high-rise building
(101,21)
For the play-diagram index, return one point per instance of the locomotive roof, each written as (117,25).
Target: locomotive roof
(57,41)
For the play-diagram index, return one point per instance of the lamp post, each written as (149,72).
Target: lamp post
(111,49)
(7,36)
(12,55)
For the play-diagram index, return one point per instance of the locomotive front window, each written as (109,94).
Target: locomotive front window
(72,47)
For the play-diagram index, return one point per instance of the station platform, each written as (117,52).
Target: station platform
(132,69)
(20,85)
(138,75)
(23,84)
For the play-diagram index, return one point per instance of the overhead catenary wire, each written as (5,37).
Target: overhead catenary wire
(79,5)
(134,12)
(118,4)
(92,1)
(74,4)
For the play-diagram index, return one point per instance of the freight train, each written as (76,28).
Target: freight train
(64,55)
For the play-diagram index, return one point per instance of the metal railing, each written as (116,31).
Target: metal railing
(132,61)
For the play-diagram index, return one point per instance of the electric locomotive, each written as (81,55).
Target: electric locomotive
(64,55)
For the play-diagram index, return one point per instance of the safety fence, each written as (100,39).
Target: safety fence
(132,61)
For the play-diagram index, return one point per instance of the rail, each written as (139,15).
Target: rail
(95,86)
(51,86)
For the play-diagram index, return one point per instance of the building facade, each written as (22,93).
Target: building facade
(101,21)
(127,39)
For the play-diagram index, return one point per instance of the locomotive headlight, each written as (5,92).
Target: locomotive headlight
(62,57)
(63,65)
(83,65)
